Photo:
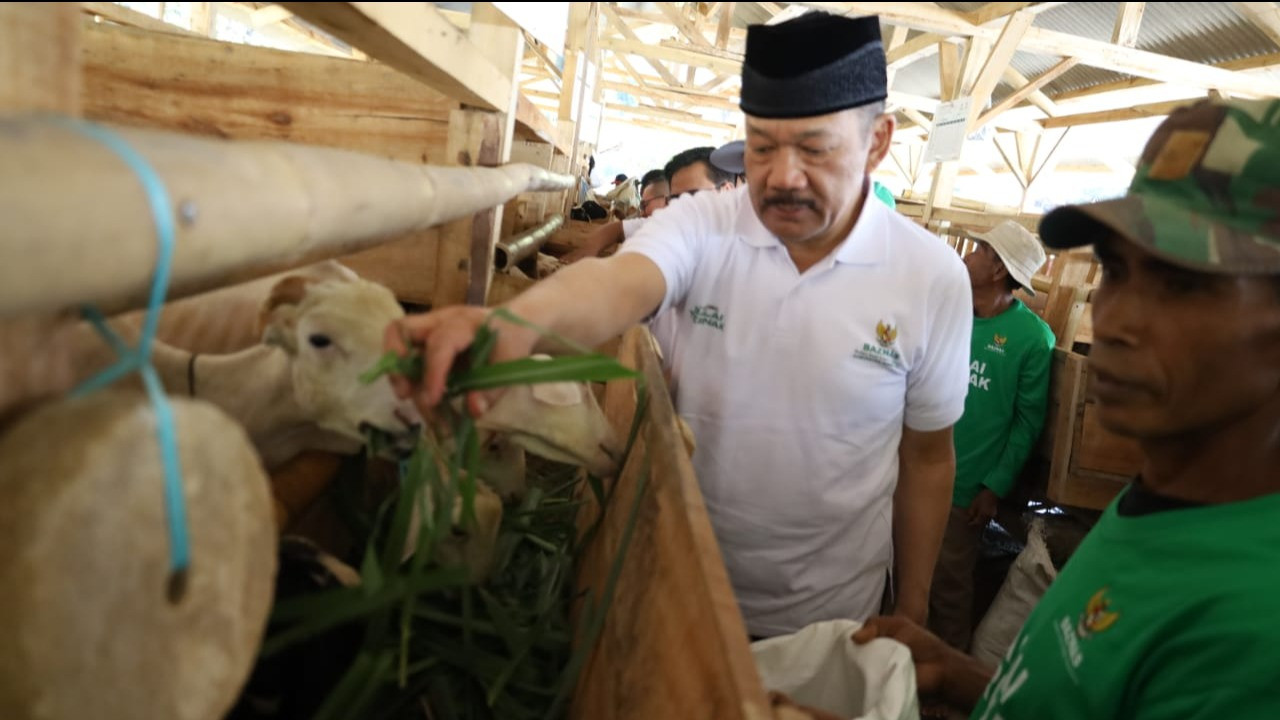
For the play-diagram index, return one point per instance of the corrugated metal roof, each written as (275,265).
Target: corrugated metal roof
(1203,32)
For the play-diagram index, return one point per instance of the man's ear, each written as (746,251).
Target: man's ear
(279,314)
(881,140)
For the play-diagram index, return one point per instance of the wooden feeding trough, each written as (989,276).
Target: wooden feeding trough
(674,644)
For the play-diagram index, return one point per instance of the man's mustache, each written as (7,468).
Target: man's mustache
(789,199)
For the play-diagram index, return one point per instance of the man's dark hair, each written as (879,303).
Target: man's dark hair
(1010,283)
(685,158)
(651,177)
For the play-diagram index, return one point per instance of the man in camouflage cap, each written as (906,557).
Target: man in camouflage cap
(1167,609)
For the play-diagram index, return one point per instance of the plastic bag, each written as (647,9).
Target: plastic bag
(820,666)
(1028,578)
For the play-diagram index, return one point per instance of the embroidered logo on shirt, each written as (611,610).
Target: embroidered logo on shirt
(1097,615)
(708,315)
(883,352)
(1096,618)
(997,344)
(886,334)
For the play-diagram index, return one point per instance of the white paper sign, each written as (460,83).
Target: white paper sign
(946,139)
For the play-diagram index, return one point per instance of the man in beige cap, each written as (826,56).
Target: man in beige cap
(1011,353)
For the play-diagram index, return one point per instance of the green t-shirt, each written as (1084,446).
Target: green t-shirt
(1160,616)
(1009,360)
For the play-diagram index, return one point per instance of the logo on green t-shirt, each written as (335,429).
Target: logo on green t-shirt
(997,343)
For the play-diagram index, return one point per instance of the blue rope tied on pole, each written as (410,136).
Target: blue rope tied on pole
(139,358)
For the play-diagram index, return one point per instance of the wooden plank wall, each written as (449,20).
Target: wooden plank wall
(198,86)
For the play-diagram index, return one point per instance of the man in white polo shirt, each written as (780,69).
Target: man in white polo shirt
(823,340)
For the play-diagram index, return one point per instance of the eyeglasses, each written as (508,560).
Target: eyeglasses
(644,204)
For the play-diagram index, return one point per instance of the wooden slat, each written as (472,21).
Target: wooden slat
(725,27)
(997,63)
(629,35)
(1012,99)
(40,58)
(948,70)
(684,26)
(674,644)
(406,266)
(1097,53)
(132,18)
(417,40)
(1130,113)
(464,264)
(1037,98)
(1257,63)
(533,124)
(1128,21)
(1262,15)
(1068,294)
(1102,451)
(654,53)
(205,87)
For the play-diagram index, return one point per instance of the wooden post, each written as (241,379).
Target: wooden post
(1068,295)
(40,57)
(464,262)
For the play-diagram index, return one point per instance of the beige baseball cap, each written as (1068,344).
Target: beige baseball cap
(1021,252)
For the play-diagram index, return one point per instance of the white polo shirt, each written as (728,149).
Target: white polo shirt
(797,387)
(662,325)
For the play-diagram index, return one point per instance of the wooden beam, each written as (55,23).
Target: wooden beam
(1128,20)
(40,58)
(502,42)
(974,218)
(1132,61)
(533,124)
(653,53)
(417,40)
(654,125)
(1131,113)
(1096,53)
(704,100)
(918,118)
(725,26)
(132,18)
(997,62)
(202,15)
(620,25)
(683,25)
(541,53)
(1259,63)
(1022,93)
(976,52)
(669,114)
(1037,97)
(912,50)
(161,81)
(993,11)
(730,55)
(464,261)
(948,70)
(1262,15)
(269,15)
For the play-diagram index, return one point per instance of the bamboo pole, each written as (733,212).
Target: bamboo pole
(78,227)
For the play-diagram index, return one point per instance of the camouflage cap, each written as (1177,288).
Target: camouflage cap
(1206,195)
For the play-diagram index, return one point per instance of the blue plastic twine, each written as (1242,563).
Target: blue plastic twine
(139,358)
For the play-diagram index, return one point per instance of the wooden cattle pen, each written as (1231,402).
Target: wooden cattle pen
(410,171)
